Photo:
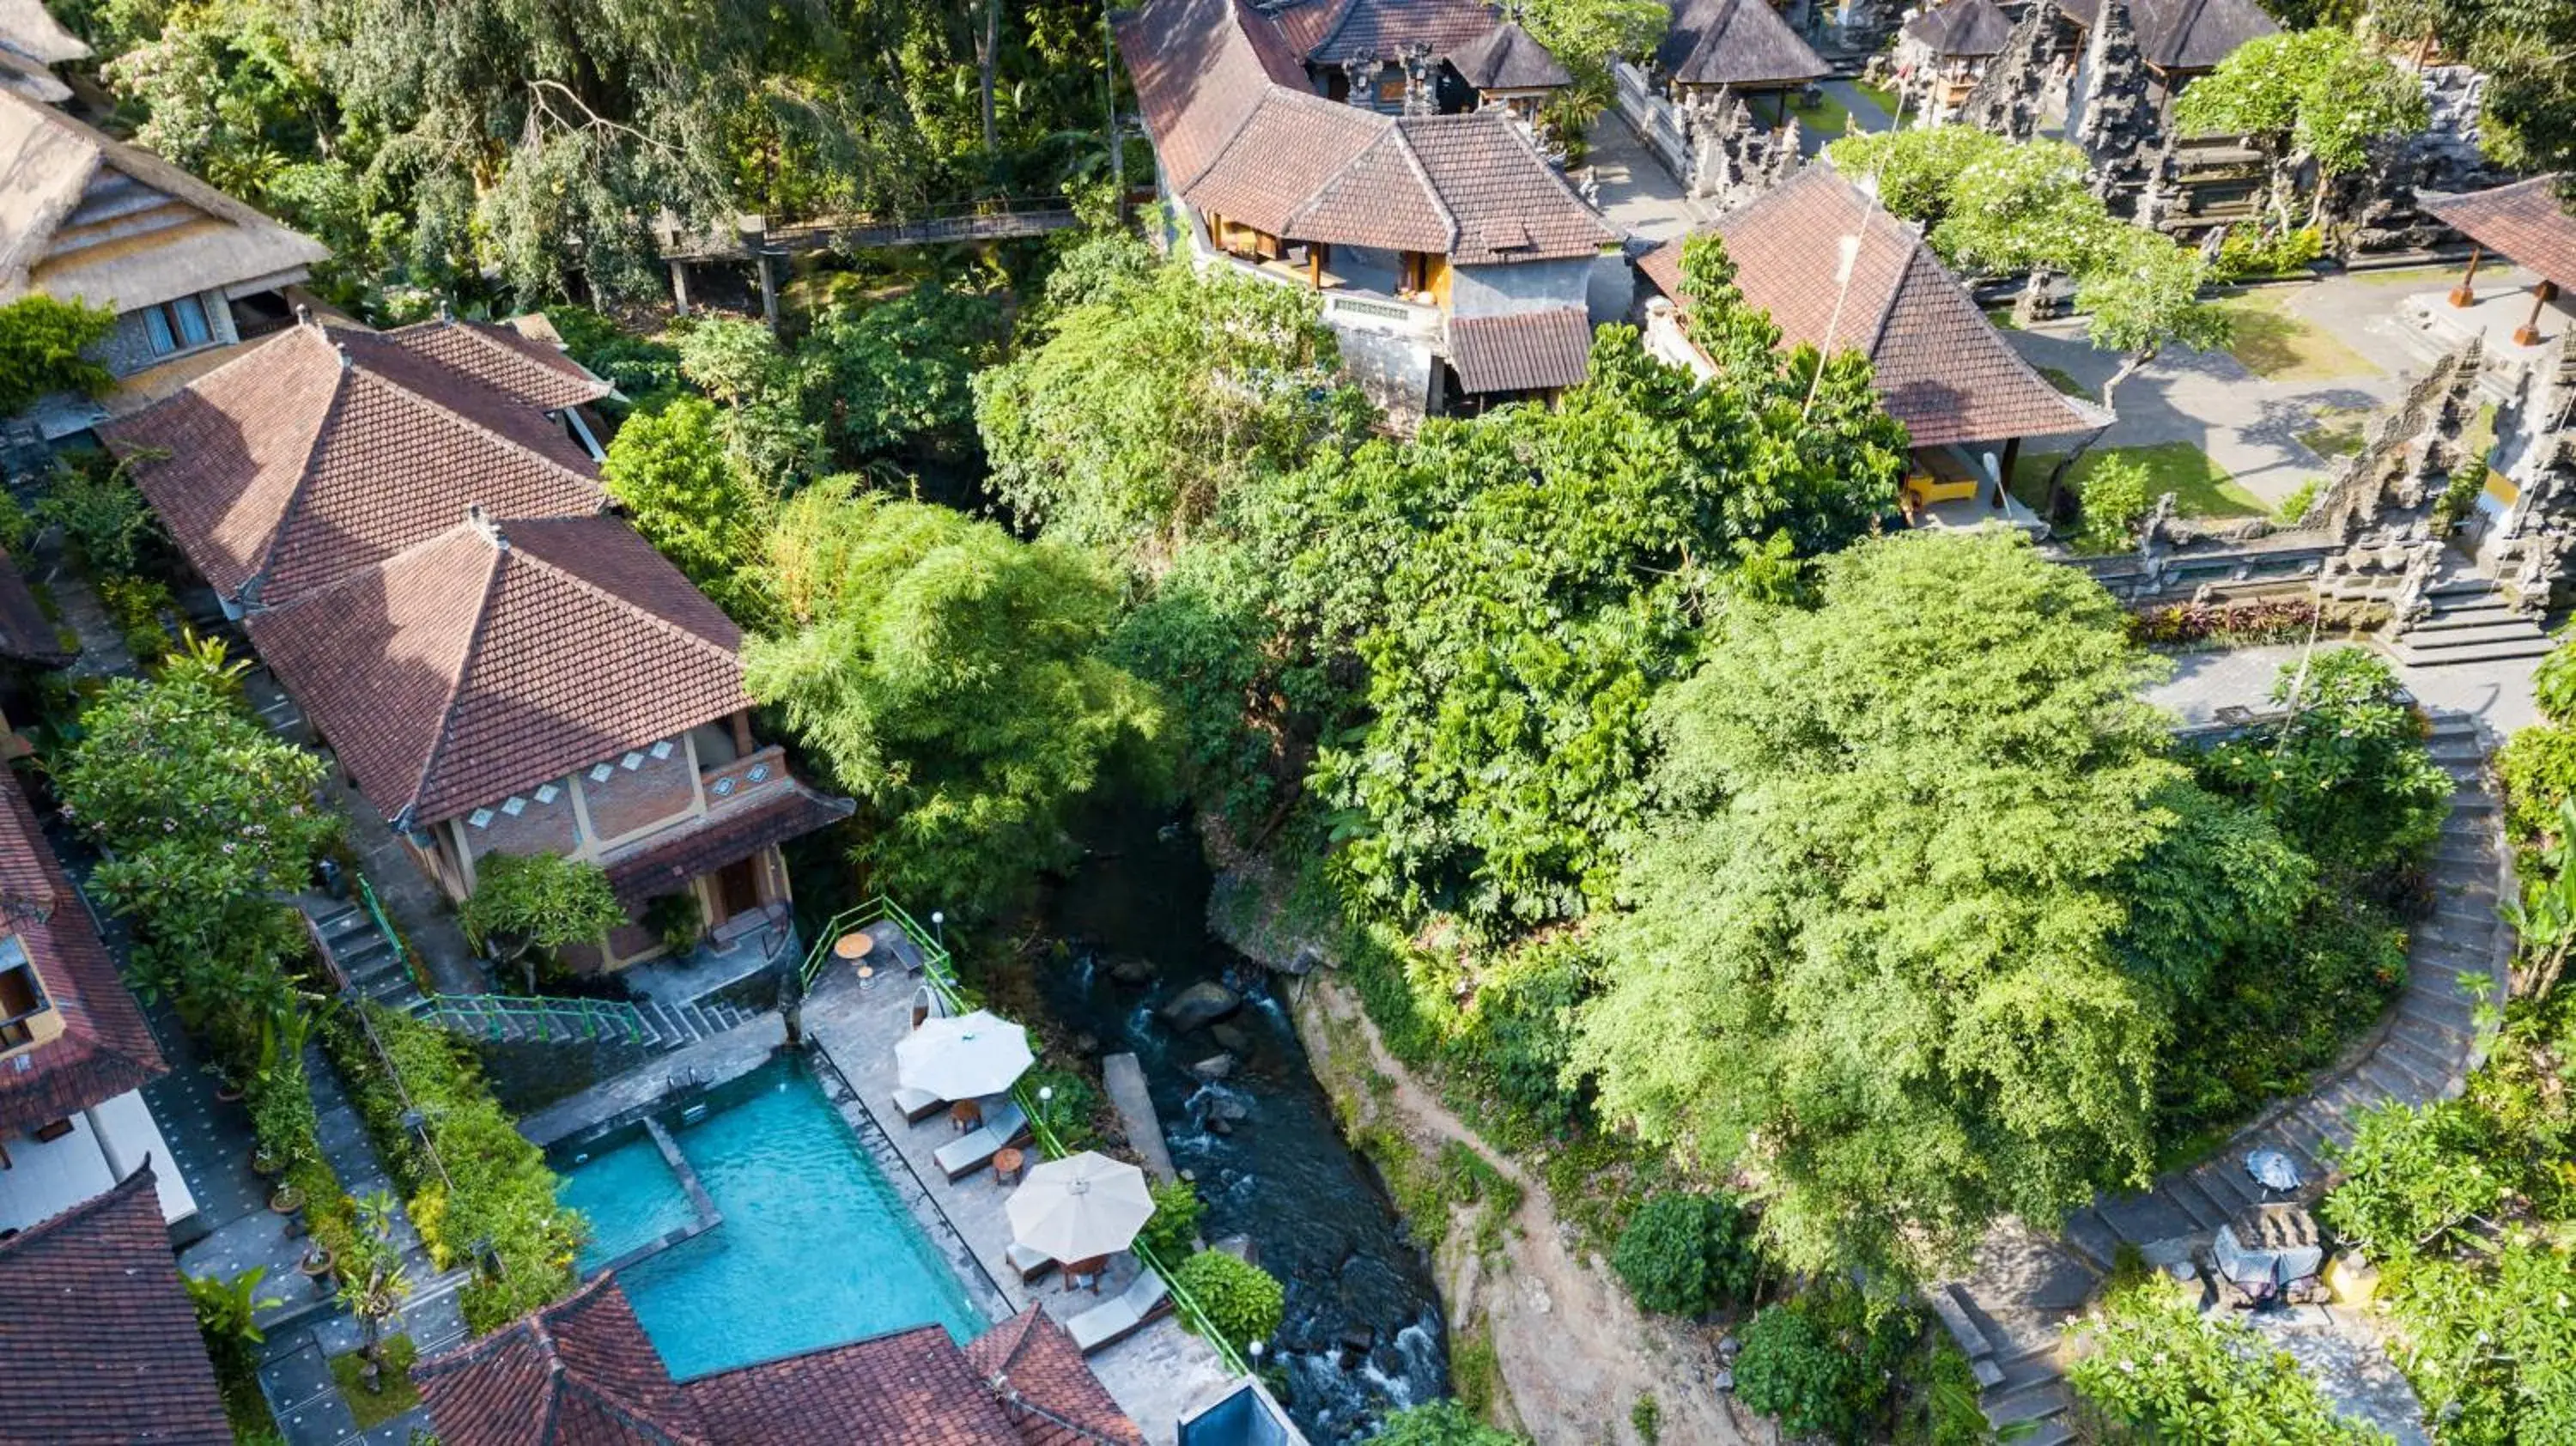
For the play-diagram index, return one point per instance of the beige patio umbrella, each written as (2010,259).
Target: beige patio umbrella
(1080,1207)
(962,1058)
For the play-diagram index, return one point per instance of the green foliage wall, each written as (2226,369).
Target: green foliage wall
(42,346)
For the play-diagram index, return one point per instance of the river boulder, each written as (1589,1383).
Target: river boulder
(1231,1039)
(1200,1005)
(1130,971)
(1213,1068)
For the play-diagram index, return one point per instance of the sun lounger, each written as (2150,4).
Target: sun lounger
(1105,1325)
(1031,1264)
(968,1153)
(917,1105)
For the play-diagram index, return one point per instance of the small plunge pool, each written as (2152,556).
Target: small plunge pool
(815,1249)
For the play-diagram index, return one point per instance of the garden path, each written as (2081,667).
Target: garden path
(2008,1312)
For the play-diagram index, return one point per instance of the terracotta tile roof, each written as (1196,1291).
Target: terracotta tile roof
(520,366)
(105,1048)
(1045,1385)
(583,1373)
(1968,28)
(580,1372)
(723,837)
(1385,28)
(909,1388)
(461,671)
(2186,35)
(325,449)
(26,634)
(1523,352)
(1942,368)
(2525,221)
(1240,131)
(1507,58)
(1509,203)
(1382,198)
(1742,43)
(101,1341)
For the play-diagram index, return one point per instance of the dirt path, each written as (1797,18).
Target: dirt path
(1574,1352)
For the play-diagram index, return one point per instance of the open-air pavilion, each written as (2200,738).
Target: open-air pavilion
(2525,222)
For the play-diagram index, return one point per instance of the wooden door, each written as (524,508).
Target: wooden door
(737,889)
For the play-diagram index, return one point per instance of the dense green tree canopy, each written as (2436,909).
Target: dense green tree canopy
(1873,949)
(41,346)
(1152,394)
(670,469)
(951,678)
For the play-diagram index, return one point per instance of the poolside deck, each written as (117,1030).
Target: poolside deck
(1157,1375)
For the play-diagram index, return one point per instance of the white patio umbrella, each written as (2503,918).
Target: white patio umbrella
(1080,1207)
(959,1059)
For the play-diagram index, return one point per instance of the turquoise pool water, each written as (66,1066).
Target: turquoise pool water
(815,1249)
(630,1197)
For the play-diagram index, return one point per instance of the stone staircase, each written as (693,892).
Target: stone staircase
(2469,623)
(2007,1315)
(517,1019)
(372,963)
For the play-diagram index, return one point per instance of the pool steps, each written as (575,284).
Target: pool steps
(701,1205)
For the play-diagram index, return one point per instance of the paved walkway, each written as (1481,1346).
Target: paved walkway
(1157,1374)
(2258,428)
(2008,1313)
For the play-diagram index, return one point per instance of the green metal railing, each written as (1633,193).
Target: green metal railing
(935,958)
(940,973)
(385,926)
(592,1018)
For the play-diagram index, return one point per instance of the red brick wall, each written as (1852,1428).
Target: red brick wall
(627,801)
(539,828)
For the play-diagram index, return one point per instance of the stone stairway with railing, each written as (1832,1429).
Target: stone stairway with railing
(2008,1315)
(363,952)
(525,1019)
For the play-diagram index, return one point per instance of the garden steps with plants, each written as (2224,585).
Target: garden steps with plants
(2422,1050)
(372,963)
(518,1019)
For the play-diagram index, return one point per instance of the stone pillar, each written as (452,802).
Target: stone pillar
(2528,334)
(2466,293)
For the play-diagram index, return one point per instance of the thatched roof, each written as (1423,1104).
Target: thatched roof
(1508,58)
(28,29)
(83,215)
(2183,35)
(1964,28)
(1742,43)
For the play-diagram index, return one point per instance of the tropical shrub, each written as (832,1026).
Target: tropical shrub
(526,906)
(2156,1366)
(2348,777)
(2250,622)
(469,1176)
(1819,1365)
(1173,1231)
(2113,498)
(1243,1302)
(1440,1423)
(1686,1254)
(101,512)
(42,346)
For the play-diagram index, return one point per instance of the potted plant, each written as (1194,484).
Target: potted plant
(287,1198)
(226,1090)
(265,1162)
(316,1267)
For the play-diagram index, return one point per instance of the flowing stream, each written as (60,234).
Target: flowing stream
(1364,1332)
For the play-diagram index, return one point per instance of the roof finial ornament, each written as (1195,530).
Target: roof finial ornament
(482,522)
(344,355)
(303,314)
(444,314)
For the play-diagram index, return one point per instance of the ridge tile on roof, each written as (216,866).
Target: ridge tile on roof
(507,361)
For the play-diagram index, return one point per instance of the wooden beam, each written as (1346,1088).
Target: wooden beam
(2528,334)
(680,284)
(2466,292)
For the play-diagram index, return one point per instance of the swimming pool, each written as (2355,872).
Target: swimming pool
(815,1248)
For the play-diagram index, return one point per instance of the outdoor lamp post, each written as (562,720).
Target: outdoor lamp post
(938,928)
(1046,1099)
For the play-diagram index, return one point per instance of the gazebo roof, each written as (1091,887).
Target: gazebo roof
(2525,221)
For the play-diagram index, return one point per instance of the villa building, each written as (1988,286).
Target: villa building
(583,1373)
(1967,399)
(411,528)
(189,271)
(32,43)
(2178,40)
(101,1340)
(1429,235)
(74,1049)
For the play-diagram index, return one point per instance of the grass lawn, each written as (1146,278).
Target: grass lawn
(2002,317)
(374,1408)
(2279,347)
(1879,96)
(2336,431)
(2066,383)
(2199,488)
(1828,115)
(2415,276)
